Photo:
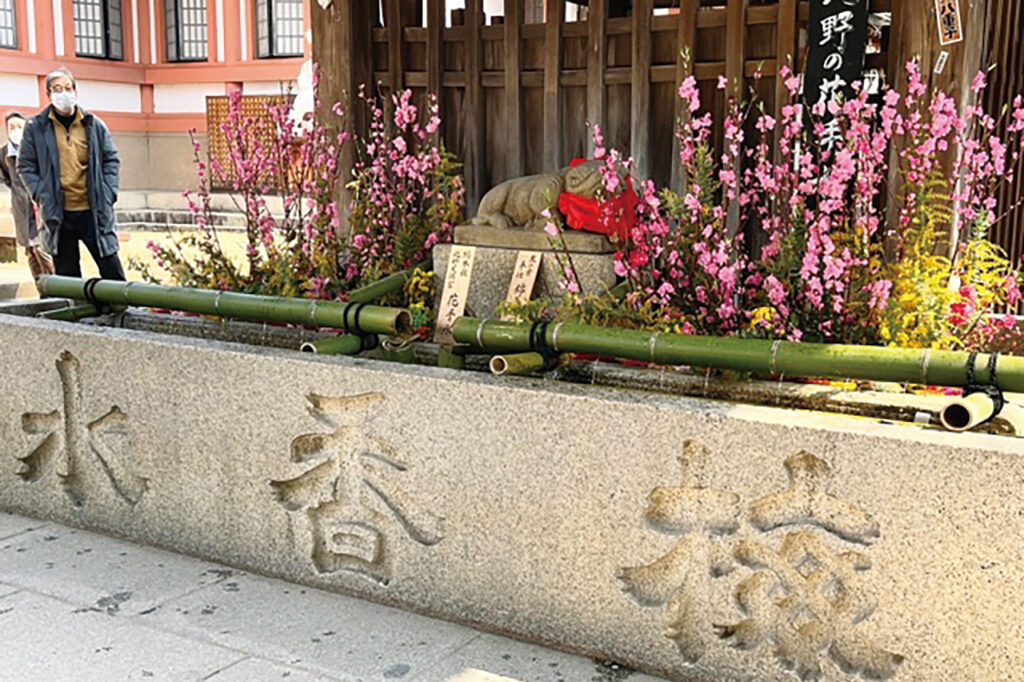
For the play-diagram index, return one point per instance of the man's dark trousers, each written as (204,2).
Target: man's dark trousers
(79,226)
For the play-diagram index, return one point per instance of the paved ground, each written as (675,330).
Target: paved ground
(15,280)
(80,606)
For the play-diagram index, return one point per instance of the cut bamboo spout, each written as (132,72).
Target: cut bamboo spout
(964,414)
(517,364)
(304,312)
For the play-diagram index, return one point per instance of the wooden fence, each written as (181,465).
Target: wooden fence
(1005,49)
(516,97)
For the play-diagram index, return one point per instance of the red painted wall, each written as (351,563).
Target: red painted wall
(151,70)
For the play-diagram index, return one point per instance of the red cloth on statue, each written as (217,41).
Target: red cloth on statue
(614,217)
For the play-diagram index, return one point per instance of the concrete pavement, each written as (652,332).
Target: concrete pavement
(79,606)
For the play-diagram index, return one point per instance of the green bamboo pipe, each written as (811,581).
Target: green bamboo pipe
(297,311)
(72,313)
(342,344)
(382,287)
(516,364)
(619,291)
(931,367)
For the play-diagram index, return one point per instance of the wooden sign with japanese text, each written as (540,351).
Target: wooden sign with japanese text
(520,289)
(951,29)
(837,38)
(455,292)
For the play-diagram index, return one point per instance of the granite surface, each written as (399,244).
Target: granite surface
(493,268)
(530,240)
(784,545)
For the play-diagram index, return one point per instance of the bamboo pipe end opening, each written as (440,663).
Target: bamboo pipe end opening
(499,365)
(956,417)
(968,412)
(403,323)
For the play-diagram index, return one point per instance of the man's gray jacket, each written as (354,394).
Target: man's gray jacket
(39,164)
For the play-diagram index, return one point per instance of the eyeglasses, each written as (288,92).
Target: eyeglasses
(57,87)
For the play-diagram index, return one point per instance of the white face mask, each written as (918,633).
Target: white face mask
(15,136)
(64,101)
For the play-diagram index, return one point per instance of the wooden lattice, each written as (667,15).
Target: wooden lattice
(217,116)
(516,95)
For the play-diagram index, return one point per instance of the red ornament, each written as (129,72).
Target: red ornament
(614,217)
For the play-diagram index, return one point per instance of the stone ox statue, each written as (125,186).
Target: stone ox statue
(520,202)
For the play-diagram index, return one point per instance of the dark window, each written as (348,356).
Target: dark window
(98,29)
(8,32)
(279,28)
(185,21)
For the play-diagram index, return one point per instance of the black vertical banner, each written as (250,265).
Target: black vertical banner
(837,37)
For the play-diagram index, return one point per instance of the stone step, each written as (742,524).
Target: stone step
(174,201)
(162,219)
(126,228)
(176,217)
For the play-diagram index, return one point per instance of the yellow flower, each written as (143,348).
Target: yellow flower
(762,317)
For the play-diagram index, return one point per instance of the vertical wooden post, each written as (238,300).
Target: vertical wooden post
(735,47)
(435,46)
(785,51)
(412,12)
(970,57)
(907,40)
(1005,49)
(473,142)
(915,35)
(686,48)
(515,158)
(735,72)
(552,96)
(342,55)
(597,61)
(393,22)
(640,94)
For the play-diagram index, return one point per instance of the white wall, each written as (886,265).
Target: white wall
(183,98)
(18,90)
(30,15)
(104,96)
(268,87)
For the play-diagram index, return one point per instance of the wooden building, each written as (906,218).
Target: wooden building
(518,89)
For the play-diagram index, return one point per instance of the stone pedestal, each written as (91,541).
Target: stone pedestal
(592,255)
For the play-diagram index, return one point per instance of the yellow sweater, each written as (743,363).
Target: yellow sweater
(73,149)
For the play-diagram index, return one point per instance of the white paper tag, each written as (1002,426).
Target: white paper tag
(455,292)
(520,290)
(940,63)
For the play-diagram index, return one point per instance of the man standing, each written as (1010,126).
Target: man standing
(70,165)
(22,210)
